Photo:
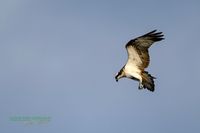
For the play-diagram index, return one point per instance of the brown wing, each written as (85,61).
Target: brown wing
(138,48)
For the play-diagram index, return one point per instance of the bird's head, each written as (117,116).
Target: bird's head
(119,75)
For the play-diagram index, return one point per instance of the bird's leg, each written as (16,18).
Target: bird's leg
(140,85)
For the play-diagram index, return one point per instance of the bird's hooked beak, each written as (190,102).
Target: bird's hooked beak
(116,77)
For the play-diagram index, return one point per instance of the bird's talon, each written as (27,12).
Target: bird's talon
(141,86)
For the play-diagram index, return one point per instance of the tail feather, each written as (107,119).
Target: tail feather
(147,81)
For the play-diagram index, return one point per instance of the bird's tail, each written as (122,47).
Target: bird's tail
(147,81)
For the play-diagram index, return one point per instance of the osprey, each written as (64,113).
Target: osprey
(138,60)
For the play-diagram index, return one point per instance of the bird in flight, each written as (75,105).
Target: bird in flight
(138,60)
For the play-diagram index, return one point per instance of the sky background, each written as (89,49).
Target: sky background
(59,58)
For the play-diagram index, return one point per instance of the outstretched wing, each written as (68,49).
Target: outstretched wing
(137,48)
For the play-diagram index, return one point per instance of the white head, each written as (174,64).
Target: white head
(120,74)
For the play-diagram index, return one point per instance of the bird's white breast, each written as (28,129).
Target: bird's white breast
(131,70)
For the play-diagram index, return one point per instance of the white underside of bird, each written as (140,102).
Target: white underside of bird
(132,71)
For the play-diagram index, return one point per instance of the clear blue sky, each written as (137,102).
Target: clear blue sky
(59,57)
